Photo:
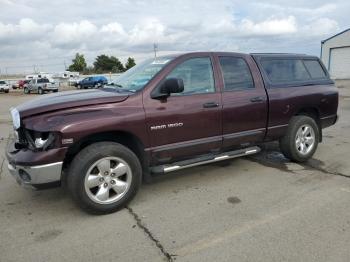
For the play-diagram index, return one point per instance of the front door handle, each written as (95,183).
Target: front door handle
(210,105)
(257,99)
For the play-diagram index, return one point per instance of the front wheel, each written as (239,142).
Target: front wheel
(301,140)
(104,177)
(26,90)
(40,91)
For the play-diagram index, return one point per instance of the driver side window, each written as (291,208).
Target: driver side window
(197,75)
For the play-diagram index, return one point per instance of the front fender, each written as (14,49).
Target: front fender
(74,125)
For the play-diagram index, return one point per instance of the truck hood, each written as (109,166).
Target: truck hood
(69,99)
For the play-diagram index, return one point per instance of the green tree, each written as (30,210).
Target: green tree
(130,63)
(104,63)
(78,63)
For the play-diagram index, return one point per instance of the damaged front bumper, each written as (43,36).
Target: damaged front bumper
(35,169)
(33,176)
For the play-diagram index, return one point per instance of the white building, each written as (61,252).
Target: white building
(335,54)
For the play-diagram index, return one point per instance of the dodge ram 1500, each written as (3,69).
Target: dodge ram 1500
(166,114)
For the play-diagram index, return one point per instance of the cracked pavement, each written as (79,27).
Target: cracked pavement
(259,208)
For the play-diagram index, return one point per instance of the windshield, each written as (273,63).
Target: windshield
(137,77)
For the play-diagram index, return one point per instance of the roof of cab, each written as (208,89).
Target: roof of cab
(281,55)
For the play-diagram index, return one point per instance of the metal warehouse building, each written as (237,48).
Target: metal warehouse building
(335,54)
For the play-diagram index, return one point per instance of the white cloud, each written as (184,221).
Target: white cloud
(271,26)
(113,28)
(321,27)
(73,35)
(26,29)
(127,27)
(149,31)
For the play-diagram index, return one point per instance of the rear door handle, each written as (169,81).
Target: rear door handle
(257,99)
(210,105)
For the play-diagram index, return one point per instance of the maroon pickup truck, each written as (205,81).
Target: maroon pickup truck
(167,114)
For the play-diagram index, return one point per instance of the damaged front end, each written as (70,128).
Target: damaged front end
(35,157)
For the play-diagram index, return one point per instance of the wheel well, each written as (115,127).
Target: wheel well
(126,139)
(313,113)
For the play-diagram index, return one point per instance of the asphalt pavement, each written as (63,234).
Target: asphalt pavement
(258,208)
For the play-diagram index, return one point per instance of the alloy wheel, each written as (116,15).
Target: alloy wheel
(305,139)
(108,180)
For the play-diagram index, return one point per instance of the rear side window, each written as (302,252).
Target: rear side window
(285,70)
(291,70)
(236,73)
(315,69)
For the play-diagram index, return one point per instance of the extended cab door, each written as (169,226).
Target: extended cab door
(189,123)
(245,105)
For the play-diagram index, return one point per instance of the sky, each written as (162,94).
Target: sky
(44,35)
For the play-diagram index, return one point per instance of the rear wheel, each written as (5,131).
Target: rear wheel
(104,177)
(26,90)
(40,91)
(301,140)
(6,91)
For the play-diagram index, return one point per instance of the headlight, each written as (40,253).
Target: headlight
(15,118)
(44,141)
(39,142)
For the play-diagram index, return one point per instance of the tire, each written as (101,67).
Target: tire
(55,91)
(301,140)
(96,85)
(40,91)
(6,91)
(85,165)
(26,90)
(78,87)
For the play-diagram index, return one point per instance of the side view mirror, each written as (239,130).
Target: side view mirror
(169,86)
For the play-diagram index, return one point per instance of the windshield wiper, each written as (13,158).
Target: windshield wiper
(127,90)
(115,84)
(120,88)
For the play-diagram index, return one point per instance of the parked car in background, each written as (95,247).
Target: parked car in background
(194,109)
(4,86)
(73,81)
(20,84)
(40,86)
(92,82)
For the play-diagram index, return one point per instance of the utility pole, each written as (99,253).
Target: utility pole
(155,48)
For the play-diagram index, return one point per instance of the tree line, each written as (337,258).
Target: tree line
(102,64)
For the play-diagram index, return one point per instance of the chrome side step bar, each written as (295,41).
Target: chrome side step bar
(205,160)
